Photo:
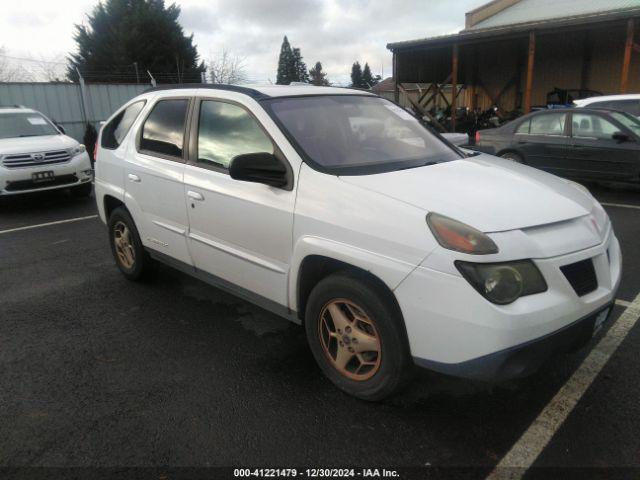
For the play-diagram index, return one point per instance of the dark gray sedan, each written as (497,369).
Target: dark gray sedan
(585,144)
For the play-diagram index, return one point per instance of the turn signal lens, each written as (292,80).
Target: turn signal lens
(454,235)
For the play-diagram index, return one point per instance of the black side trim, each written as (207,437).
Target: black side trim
(229,287)
(524,359)
(251,92)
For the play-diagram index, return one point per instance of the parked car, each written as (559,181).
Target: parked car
(586,144)
(390,245)
(36,155)
(629,103)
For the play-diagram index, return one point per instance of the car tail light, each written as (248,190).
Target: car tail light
(95,152)
(477,137)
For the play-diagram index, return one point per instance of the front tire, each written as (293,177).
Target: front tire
(357,336)
(126,246)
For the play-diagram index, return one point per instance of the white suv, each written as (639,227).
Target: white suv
(336,209)
(36,155)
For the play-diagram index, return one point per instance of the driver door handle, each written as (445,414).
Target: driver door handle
(134,178)
(195,195)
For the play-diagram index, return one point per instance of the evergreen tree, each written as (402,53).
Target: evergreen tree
(299,67)
(368,80)
(286,66)
(318,77)
(356,76)
(121,33)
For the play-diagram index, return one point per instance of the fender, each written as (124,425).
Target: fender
(389,270)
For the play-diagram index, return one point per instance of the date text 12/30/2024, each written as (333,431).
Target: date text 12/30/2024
(316,473)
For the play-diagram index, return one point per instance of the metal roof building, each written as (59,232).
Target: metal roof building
(512,53)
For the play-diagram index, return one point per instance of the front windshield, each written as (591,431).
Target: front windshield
(26,124)
(628,120)
(353,134)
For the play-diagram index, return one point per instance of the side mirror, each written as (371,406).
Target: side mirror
(620,137)
(61,128)
(259,168)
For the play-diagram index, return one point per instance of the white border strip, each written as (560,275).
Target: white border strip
(531,444)
(620,205)
(30,227)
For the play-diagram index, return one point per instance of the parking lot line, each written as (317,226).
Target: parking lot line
(533,441)
(623,303)
(29,227)
(620,205)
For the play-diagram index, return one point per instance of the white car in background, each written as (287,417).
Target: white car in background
(629,103)
(337,209)
(36,155)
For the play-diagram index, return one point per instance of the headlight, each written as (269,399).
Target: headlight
(504,282)
(77,150)
(454,235)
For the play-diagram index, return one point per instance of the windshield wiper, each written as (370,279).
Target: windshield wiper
(426,164)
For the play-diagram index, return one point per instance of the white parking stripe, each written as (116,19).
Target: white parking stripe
(527,449)
(623,303)
(29,227)
(620,205)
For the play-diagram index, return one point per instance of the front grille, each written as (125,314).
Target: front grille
(582,276)
(19,160)
(31,185)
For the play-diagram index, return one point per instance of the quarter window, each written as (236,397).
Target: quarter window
(114,132)
(592,126)
(548,124)
(225,131)
(163,130)
(523,127)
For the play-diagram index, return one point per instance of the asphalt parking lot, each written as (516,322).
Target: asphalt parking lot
(97,371)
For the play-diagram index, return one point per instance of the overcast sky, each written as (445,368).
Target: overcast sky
(335,32)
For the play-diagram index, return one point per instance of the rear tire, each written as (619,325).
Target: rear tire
(357,336)
(514,157)
(131,258)
(82,191)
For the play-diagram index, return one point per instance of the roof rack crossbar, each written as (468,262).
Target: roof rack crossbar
(251,92)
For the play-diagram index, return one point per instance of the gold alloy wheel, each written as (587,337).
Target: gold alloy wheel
(124,245)
(349,339)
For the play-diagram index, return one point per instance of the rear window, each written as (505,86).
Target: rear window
(113,133)
(163,130)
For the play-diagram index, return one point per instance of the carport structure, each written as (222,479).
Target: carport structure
(513,52)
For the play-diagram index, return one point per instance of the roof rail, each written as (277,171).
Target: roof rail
(251,92)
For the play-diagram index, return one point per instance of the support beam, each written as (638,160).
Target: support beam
(626,62)
(454,85)
(530,63)
(396,90)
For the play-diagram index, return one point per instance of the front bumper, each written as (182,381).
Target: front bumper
(525,359)
(452,329)
(15,181)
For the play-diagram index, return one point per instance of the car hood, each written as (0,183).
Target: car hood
(35,144)
(485,192)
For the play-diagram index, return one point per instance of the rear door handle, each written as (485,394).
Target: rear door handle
(134,178)
(195,195)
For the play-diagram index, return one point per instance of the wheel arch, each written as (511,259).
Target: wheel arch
(511,150)
(110,204)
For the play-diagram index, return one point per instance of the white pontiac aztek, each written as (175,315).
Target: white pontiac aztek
(338,210)
(36,155)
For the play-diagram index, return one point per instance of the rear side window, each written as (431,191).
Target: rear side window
(523,127)
(163,130)
(586,125)
(548,124)
(113,133)
(225,131)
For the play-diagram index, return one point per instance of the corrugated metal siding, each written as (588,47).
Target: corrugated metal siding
(62,102)
(536,10)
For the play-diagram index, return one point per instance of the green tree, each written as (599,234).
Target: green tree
(286,66)
(125,38)
(356,76)
(368,80)
(299,67)
(317,76)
